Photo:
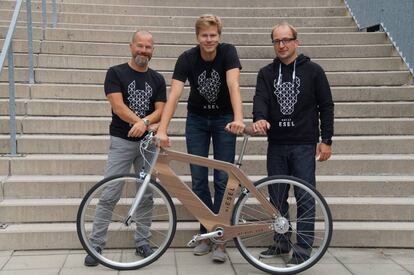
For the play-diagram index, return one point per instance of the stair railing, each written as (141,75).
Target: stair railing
(394,17)
(7,52)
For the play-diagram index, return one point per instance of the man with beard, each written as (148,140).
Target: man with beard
(137,95)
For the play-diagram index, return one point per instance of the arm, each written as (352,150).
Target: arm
(168,112)
(237,125)
(260,106)
(120,109)
(326,114)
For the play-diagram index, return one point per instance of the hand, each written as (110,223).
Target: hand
(323,152)
(138,129)
(163,139)
(235,127)
(261,126)
(153,127)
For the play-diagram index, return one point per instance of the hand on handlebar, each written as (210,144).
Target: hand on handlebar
(235,127)
(153,127)
(260,127)
(164,140)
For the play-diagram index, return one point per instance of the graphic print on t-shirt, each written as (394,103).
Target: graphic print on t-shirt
(287,95)
(139,100)
(209,87)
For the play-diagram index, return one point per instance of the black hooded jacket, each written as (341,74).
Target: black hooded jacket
(294,108)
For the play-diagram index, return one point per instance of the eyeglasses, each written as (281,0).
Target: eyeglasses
(284,41)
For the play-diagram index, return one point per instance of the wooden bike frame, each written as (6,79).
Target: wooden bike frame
(237,179)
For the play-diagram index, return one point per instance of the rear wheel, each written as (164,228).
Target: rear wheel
(105,207)
(303,231)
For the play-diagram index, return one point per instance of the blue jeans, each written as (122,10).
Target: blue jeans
(198,132)
(298,161)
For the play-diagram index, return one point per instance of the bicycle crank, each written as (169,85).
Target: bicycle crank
(215,234)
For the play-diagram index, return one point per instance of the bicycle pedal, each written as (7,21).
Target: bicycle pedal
(191,243)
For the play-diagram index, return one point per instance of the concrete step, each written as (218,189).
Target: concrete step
(343,209)
(100,126)
(173,10)
(244,52)
(164,37)
(20,45)
(93,164)
(251,39)
(246,29)
(346,234)
(185,21)
(79,108)
(21,32)
(76,186)
(249,65)
(74,76)
(197,3)
(95,92)
(83,144)
(216,3)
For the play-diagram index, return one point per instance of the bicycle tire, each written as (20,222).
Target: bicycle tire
(118,248)
(248,211)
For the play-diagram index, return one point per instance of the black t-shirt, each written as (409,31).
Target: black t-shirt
(139,90)
(209,93)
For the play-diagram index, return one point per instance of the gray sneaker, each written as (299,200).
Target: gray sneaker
(202,249)
(219,255)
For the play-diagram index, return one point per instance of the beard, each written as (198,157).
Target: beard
(142,60)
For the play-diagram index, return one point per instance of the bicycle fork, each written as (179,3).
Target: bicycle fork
(137,200)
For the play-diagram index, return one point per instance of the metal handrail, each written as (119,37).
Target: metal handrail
(395,19)
(7,51)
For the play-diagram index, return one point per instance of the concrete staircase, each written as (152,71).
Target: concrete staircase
(63,119)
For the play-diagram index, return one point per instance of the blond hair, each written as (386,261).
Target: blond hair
(293,29)
(208,20)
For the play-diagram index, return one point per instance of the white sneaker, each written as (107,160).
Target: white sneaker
(202,249)
(219,255)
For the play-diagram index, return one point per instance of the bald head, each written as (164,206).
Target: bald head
(141,34)
(142,47)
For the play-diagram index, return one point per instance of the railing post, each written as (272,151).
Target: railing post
(54,16)
(30,39)
(44,18)
(12,102)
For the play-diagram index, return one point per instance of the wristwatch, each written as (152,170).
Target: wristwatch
(327,141)
(146,121)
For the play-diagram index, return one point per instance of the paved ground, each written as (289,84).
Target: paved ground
(337,261)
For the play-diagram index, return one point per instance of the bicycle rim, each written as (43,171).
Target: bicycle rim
(314,241)
(154,222)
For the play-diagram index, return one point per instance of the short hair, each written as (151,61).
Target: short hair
(207,20)
(141,31)
(293,29)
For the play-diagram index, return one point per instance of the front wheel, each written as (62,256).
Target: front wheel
(101,216)
(300,234)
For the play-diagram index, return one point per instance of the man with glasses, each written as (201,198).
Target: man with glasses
(293,106)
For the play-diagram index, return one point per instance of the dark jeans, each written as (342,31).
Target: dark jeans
(198,132)
(297,161)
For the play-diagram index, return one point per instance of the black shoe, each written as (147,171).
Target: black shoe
(90,261)
(297,260)
(144,251)
(275,250)
(300,255)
